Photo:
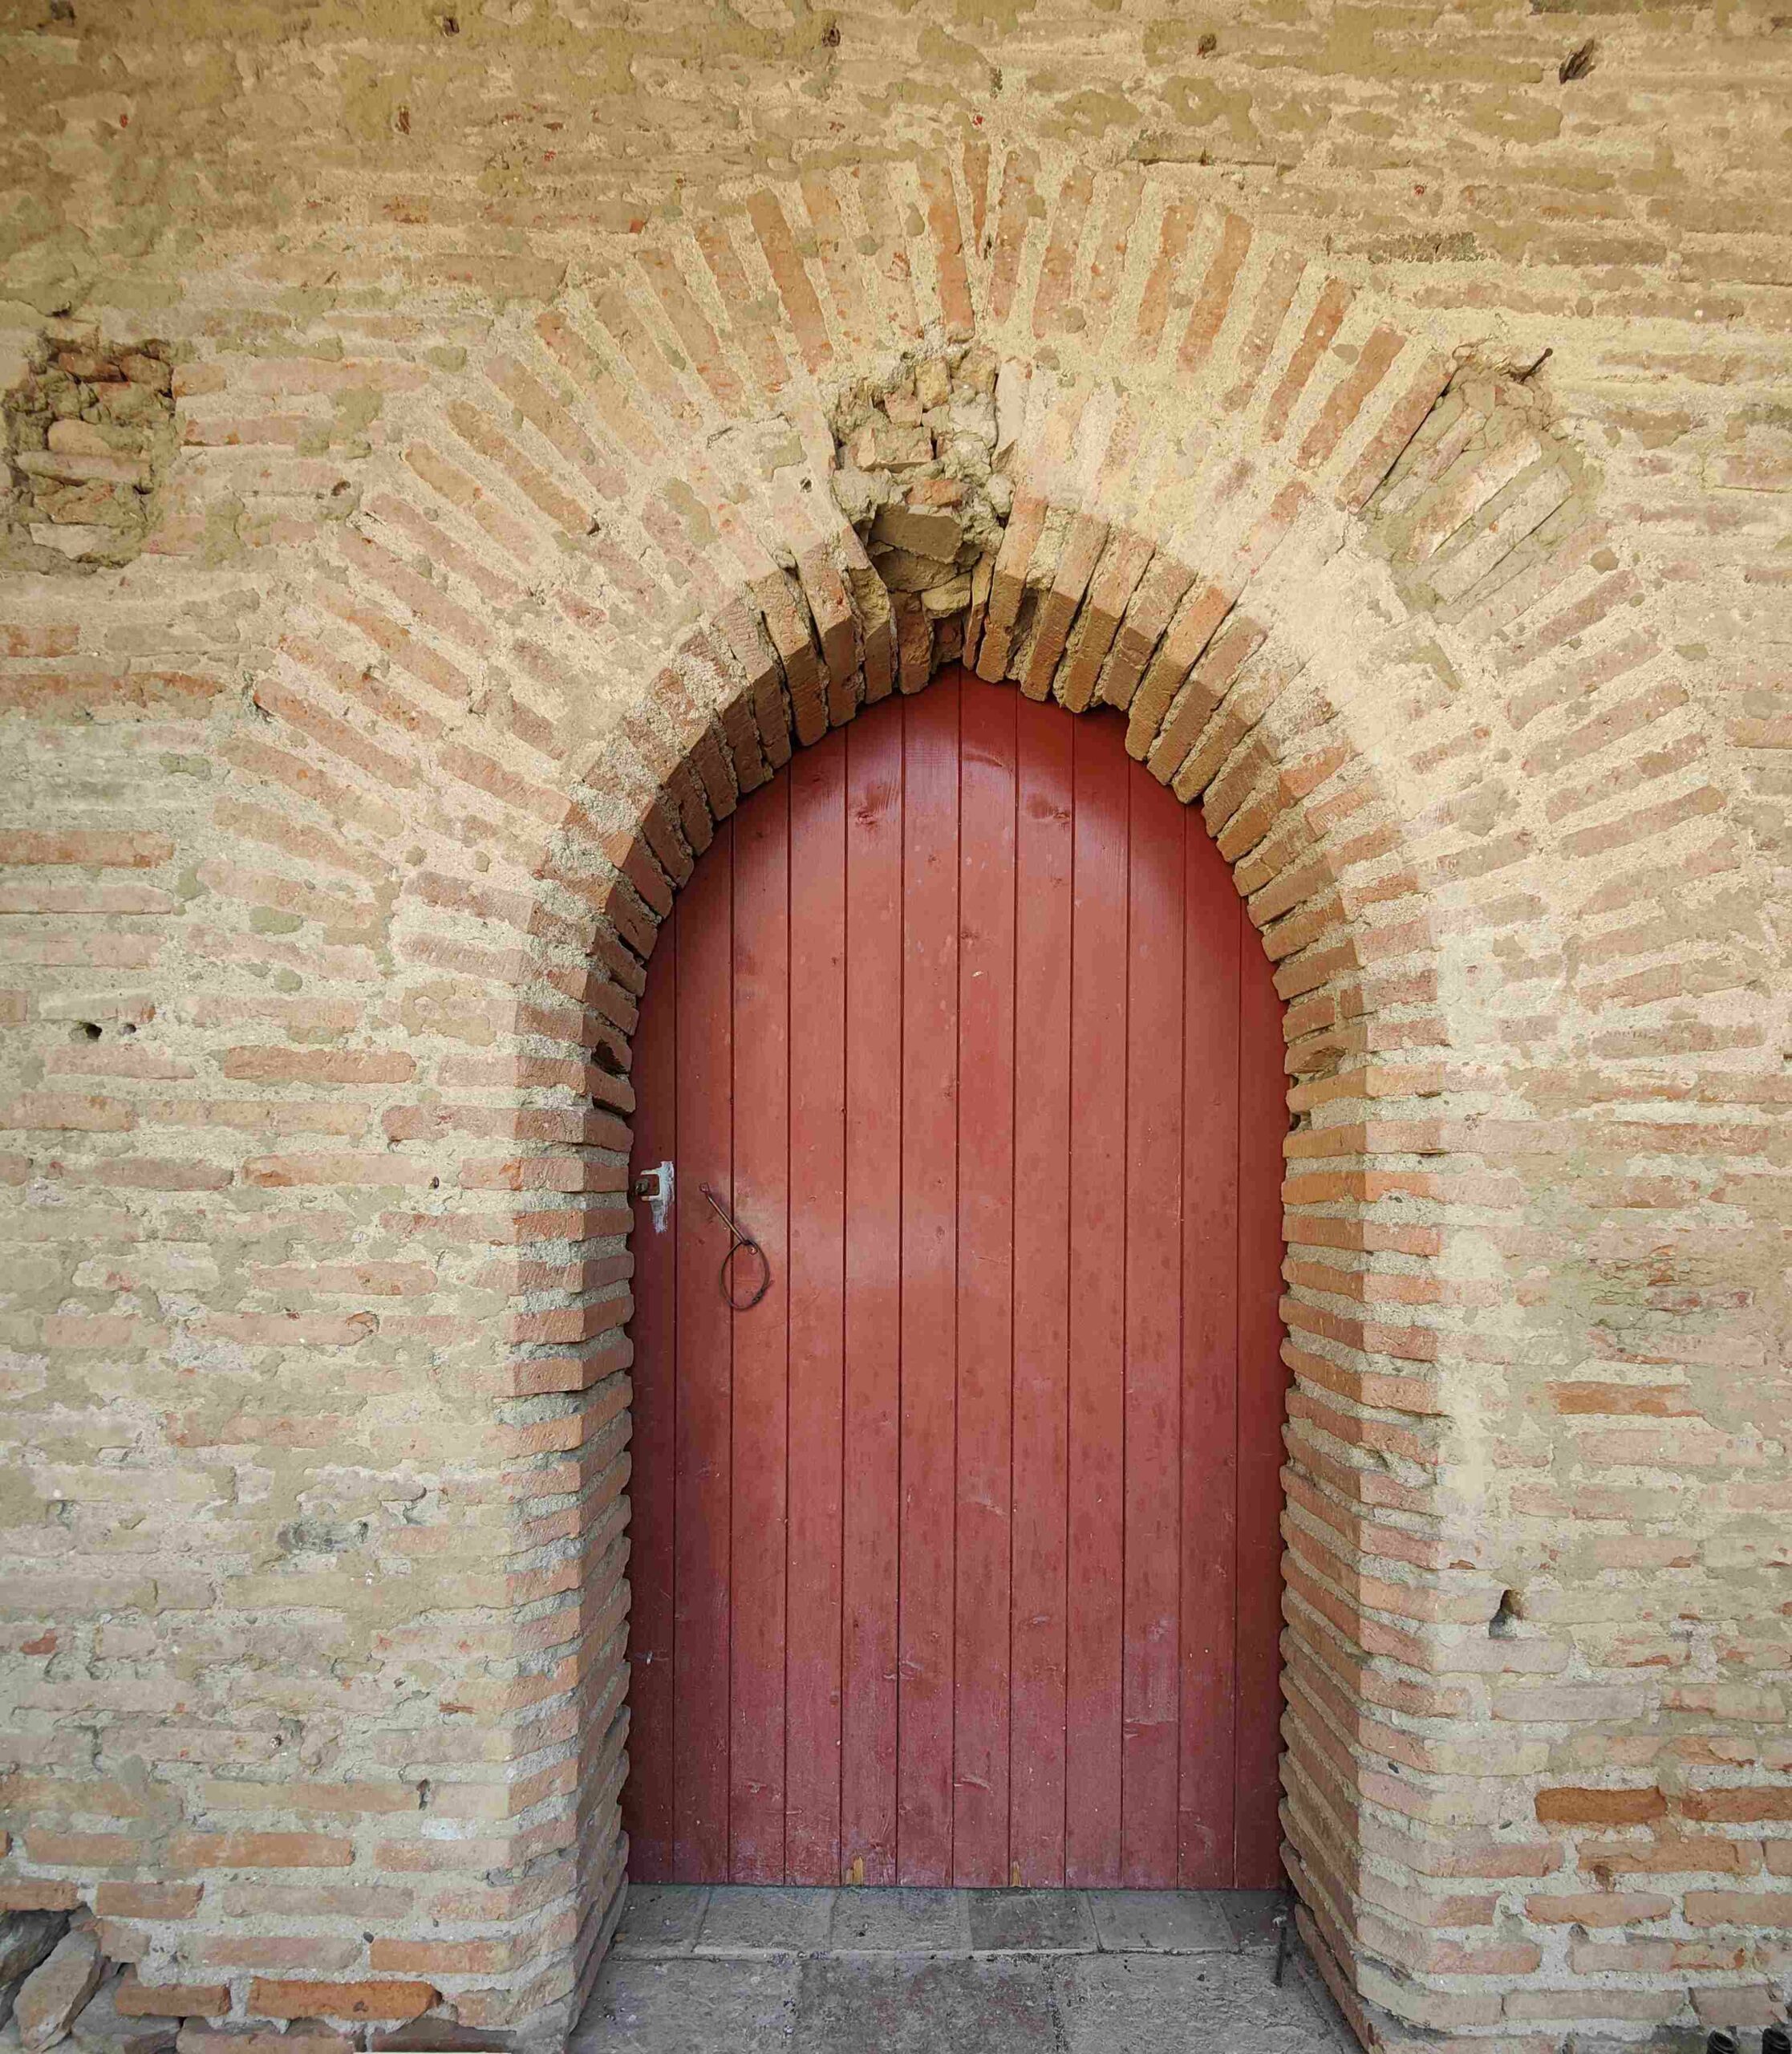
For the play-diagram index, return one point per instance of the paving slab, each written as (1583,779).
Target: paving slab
(1156,2003)
(735,1970)
(897,2004)
(693,2006)
(744,1919)
(901,1921)
(1160,1921)
(1030,1921)
(661,1918)
(1254,1917)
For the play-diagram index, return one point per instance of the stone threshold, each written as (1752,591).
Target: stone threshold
(671,1921)
(737,1968)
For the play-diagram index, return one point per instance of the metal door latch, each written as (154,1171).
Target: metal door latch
(655,1187)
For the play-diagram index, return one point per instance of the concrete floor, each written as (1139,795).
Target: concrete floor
(728,1970)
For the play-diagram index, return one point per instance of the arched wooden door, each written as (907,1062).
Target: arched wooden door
(956,1558)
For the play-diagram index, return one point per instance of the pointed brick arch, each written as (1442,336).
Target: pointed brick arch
(1358,600)
(1196,560)
(1315,847)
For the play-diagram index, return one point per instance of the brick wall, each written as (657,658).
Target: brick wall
(529,380)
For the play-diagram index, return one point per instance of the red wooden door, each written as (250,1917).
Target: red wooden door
(956,1557)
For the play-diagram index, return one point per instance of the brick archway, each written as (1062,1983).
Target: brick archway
(1358,602)
(1221,663)
(1218,695)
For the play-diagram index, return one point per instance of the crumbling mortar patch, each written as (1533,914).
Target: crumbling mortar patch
(90,438)
(917,473)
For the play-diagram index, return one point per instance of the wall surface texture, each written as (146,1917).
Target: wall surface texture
(451,452)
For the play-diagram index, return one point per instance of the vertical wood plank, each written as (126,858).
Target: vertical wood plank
(929,1283)
(986,1199)
(1043,845)
(704,1095)
(818,1012)
(873,1245)
(1154,1291)
(1209,1177)
(1262,1387)
(1097,1308)
(761,1201)
(647,1796)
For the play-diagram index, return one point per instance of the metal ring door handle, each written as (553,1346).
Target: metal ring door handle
(739,1241)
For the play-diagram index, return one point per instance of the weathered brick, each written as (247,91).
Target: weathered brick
(171,2000)
(259,1850)
(382,1999)
(1588,1807)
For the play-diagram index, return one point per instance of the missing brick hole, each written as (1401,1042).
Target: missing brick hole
(89,1030)
(1504,1623)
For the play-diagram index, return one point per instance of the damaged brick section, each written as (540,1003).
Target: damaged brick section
(60,1986)
(917,477)
(91,436)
